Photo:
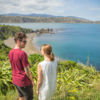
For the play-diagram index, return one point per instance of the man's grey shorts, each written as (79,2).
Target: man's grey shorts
(26,92)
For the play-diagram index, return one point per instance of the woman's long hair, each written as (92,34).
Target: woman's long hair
(48,51)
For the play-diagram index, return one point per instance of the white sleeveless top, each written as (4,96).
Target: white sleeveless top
(48,87)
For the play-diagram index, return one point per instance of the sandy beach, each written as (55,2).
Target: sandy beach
(30,46)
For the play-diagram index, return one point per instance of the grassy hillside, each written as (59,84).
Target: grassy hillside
(7,31)
(23,19)
(74,81)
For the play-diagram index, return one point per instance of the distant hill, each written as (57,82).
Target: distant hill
(41,18)
(97,22)
(39,15)
(32,15)
(77,17)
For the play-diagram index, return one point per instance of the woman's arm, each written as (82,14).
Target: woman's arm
(40,78)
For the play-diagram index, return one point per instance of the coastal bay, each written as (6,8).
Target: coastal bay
(76,42)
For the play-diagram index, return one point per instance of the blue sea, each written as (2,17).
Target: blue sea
(77,42)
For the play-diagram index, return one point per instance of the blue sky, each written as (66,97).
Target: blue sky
(89,9)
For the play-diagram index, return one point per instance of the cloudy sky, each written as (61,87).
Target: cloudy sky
(89,9)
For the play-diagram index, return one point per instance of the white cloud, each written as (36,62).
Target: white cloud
(95,9)
(30,6)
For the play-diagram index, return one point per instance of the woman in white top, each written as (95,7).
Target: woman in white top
(47,71)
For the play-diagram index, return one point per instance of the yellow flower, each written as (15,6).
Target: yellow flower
(72,98)
(74,90)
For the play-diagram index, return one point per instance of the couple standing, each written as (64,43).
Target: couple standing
(21,74)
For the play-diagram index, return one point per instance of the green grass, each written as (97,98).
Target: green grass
(74,81)
(91,94)
(11,95)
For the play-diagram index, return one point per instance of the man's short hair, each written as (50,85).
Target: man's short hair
(19,36)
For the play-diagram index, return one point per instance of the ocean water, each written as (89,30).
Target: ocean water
(77,42)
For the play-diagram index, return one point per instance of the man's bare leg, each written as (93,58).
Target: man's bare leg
(21,98)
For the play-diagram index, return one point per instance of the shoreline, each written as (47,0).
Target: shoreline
(30,47)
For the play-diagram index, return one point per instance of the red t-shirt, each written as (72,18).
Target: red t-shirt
(19,61)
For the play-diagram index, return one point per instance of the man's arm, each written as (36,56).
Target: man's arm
(40,78)
(29,75)
(25,63)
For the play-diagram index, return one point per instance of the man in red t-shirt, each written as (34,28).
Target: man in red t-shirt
(21,74)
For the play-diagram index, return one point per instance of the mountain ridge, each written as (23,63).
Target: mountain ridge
(42,18)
